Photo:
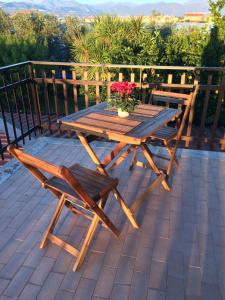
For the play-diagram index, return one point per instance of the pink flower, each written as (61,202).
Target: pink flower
(123,87)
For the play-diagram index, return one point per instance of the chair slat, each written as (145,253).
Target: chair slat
(159,98)
(35,162)
(171,94)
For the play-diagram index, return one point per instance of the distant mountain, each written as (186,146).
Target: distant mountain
(71,7)
(66,7)
(172,8)
(13,6)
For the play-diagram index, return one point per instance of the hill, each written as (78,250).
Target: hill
(71,7)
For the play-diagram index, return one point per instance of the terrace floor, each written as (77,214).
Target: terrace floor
(178,252)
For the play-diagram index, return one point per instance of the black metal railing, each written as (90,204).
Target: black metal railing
(18,105)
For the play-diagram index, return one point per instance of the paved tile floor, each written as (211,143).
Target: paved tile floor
(178,252)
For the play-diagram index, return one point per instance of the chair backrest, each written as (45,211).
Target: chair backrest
(171,97)
(36,166)
(185,100)
(29,160)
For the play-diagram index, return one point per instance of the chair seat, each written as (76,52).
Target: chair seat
(165,133)
(95,184)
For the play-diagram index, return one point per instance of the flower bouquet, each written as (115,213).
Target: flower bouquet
(122,98)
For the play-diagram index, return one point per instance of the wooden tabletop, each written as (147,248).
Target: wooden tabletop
(100,121)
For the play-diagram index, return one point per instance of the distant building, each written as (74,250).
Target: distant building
(195,17)
(89,19)
(161,19)
(158,19)
(29,11)
(24,11)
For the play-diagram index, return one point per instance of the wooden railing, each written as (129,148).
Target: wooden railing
(38,93)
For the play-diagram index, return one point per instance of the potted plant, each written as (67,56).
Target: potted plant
(122,98)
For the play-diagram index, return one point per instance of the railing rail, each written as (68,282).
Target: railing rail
(34,94)
(124,66)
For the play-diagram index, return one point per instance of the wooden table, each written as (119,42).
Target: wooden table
(129,132)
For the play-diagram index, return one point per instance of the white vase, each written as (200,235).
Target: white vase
(122,113)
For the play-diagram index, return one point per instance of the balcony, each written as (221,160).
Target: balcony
(178,252)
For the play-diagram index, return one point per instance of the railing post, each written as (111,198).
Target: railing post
(218,111)
(4,122)
(204,113)
(1,149)
(191,118)
(35,96)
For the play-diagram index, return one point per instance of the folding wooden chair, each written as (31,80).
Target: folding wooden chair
(167,134)
(82,190)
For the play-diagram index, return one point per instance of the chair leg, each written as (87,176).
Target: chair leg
(170,151)
(54,220)
(89,236)
(86,243)
(169,169)
(134,158)
(125,208)
(148,155)
(172,158)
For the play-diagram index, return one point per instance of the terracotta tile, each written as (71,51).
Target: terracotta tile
(156,295)
(29,292)
(42,271)
(85,289)
(94,265)
(105,282)
(120,292)
(18,283)
(158,275)
(50,287)
(125,271)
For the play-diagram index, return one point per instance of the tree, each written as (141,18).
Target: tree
(216,8)
(5,23)
(113,40)
(214,52)
(186,46)
(14,50)
(155,13)
(43,28)
(73,28)
(31,35)
(27,24)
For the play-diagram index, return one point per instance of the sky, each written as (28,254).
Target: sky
(100,1)
(133,1)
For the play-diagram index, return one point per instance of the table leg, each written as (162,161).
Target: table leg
(148,156)
(99,165)
(107,160)
(101,169)
(160,179)
(121,157)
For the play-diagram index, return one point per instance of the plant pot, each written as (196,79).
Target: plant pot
(122,113)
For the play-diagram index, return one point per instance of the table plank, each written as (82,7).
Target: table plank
(104,123)
(143,110)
